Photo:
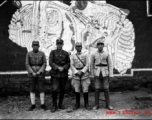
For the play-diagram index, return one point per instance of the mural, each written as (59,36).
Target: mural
(84,21)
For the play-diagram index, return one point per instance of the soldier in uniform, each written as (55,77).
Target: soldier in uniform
(80,75)
(59,61)
(101,71)
(35,65)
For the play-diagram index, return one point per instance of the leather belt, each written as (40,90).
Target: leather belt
(101,65)
(36,65)
(79,68)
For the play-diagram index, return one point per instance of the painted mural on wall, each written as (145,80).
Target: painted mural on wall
(81,21)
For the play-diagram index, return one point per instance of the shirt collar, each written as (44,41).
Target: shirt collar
(78,53)
(59,50)
(101,51)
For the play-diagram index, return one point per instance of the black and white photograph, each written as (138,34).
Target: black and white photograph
(76,59)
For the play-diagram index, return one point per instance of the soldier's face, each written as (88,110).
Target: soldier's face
(100,46)
(35,48)
(59,46)
(78,48)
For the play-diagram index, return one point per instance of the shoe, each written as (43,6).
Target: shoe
(54,109)
(43,107)
(95,107)
(109,107)
(32,108)
(76,106)
(61,106)
(87,107)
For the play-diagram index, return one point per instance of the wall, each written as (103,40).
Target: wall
(12,56)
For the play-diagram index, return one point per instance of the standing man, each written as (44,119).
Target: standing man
(35,65)
(59,61)
(80,75)
(101,69)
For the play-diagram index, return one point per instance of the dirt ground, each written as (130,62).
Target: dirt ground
(15,107)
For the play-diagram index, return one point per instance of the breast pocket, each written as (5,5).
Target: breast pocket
(32,59)
(75,61)
(83,59)
(40,59)
(97,59)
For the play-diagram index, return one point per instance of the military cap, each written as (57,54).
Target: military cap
(35,43)
(59,41)
(78,44)
(100,40)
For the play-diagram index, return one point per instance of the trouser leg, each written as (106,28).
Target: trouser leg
(77,105)
(55,84)
(106,93)
(62,91)
(86,102)
(97,94)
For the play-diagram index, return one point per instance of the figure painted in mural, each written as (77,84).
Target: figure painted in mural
(80,75)
(35,65)
(101,71)
(59,61)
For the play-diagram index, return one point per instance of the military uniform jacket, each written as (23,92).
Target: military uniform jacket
(77,65)
(59,59)
(101,62)
(35,62)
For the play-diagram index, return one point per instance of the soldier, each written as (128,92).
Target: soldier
(101,69)
(80,75)
(59,60)
(35,65)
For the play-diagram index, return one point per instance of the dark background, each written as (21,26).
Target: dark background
(12,56)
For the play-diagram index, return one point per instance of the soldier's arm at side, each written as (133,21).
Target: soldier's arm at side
(110,66)
(92,60)
(86,67)
(27,64)
(67,65)
(53,65)
(74,70)
(43,67)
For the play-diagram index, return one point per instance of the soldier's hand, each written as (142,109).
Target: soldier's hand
(79,73)
(91,77)
(34,74)
(60,69)
(38,73)
(110,79)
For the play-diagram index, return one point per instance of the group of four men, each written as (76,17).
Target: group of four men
(60,62)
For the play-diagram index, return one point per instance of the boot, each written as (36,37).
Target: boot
(32,108)
(97,93)
(43,107)
(54,98)
(77,105)
(86,101)
(106,93)
(60,106)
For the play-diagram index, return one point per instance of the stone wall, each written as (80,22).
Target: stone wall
(19,84)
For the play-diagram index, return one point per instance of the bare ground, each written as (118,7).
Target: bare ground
(15,107)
